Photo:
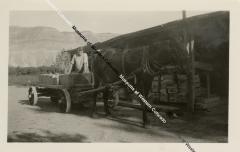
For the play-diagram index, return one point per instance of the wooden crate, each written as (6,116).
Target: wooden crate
(155,86)
(49,79)
(172,90)
(67,80)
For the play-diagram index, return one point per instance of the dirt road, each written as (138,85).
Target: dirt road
(44,123)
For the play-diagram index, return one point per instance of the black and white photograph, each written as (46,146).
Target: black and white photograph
(118,76)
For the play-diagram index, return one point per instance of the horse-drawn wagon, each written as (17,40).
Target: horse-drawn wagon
(71,88)
(62,88)
(146,54)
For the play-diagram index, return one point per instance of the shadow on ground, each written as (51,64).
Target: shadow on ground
(45,136)
(209,126)
(202,126)
(45,105)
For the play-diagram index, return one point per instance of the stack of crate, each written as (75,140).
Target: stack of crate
(168,88)
(197,85)
(182,88)
(154,95)
(175,88)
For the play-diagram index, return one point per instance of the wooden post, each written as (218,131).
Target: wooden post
(192,75)
(189,44)
(208,85)
(159,87)
(92,69)
(184,14)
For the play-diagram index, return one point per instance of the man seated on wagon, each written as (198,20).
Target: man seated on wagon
(79,62)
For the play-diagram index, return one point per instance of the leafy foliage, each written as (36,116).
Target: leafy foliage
(33,70)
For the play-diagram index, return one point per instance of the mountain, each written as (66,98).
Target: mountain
(37,46)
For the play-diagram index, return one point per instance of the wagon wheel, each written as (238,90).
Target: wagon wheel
(64,101)
(32,96)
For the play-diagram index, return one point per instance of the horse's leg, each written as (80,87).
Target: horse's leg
(145,88)
(94,104)
(95,94)
(144,116)
(105,100)
(140,86)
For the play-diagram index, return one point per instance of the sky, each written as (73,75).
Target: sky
(120,22)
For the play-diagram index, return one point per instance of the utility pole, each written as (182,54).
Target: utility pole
(189,44)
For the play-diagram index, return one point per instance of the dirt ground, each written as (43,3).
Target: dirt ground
(44,123)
